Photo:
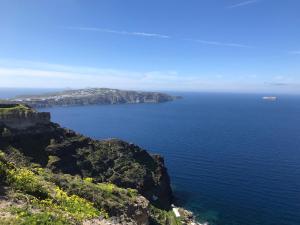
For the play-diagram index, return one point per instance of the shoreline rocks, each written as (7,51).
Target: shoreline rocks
(186,217)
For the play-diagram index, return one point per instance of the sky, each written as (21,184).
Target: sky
(172,45)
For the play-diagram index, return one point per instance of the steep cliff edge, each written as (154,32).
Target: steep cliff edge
(21,117)
(28,138)
(49,173)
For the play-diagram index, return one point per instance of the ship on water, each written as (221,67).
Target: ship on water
(269,98)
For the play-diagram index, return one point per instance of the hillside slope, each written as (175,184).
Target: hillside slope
(48,173)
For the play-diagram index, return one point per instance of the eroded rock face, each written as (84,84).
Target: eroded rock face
(21,117)
(162,190)
(24,120)
(137,214)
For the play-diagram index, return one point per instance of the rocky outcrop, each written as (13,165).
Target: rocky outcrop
(139,213)
(11,116)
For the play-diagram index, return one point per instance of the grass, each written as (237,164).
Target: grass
(61,198)
(56,198)
(12,108)
(23,216)
(173,220)
(164,217)
(44,201)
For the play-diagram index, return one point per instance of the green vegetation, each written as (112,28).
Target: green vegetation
(173,220)
(13,108)
(7,108)
(25,180)
(109,161)
(159,216)
(112,199)
(49,198)
(25,217)
(42,200)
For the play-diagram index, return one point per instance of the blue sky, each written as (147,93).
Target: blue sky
(180,45)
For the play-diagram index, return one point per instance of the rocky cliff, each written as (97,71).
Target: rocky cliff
(115,161)
(21,117)
(112,167)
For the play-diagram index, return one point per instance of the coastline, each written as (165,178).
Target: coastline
(63,152)
(185,216)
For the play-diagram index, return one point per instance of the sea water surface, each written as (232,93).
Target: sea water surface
(233,159)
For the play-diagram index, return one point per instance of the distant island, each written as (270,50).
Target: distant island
(92,96)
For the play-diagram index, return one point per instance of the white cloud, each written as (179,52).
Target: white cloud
(241,4)
(141,34)
(217,43)
(32,73)
(44,75)
(155,35)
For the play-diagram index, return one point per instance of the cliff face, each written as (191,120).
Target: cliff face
(65,151)
(24,120)
(21,117)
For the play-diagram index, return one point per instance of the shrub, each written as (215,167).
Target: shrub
(76,206)
(88,180)
(25,217)
(25,180)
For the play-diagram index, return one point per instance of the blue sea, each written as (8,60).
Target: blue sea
(233,159)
